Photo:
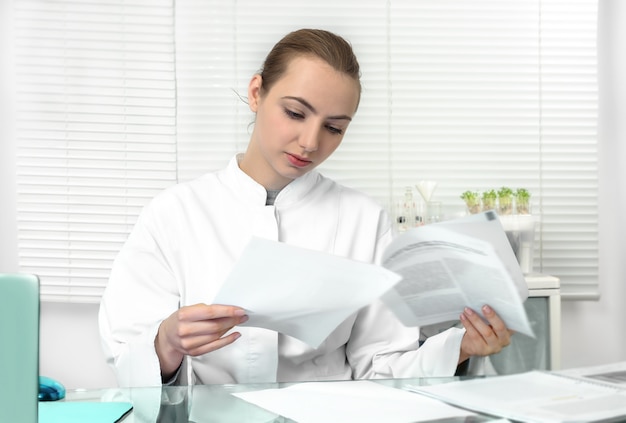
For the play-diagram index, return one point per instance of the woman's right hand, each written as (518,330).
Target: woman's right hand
(195,330)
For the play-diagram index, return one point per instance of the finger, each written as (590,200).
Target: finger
(214,345)
(191,343)
(478,323)
(473,342)
(494,320)
(471,332)
(494,339)
(214,327)
(497,324)
(207,312)
(489,342)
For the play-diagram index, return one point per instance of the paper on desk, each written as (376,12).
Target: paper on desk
(613,374)
(350,401)
(534,397)
(299,292)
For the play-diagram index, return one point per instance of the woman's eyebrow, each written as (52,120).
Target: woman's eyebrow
(312,109)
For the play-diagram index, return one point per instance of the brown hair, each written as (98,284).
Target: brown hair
(329,47)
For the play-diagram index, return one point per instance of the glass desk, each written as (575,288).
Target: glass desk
(214,403)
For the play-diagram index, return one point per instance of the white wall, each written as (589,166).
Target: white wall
(593,332)
(8,231)
(70,346)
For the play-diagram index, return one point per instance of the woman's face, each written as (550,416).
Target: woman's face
(300,121)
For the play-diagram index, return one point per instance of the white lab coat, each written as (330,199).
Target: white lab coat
(188,238)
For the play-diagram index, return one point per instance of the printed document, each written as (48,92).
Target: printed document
(613,374)
(444,270)
(535,397)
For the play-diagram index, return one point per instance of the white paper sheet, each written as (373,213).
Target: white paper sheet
(302,293)
(534,396)
(613,374)
(350,401)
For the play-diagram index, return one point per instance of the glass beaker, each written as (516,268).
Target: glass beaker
(433,212)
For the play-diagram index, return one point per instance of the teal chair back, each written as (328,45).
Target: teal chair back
(19,347)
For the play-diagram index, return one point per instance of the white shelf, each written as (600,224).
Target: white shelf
(541,281)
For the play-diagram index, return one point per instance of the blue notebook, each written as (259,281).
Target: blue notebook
(81,412)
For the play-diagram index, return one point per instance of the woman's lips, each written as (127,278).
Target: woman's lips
(298,161)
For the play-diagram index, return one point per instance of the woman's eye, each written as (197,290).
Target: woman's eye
(334,130)
(293,115)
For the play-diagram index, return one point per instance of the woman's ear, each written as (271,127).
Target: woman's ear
(254,92)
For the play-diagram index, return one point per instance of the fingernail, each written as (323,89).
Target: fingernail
(244,319)
(240,312)
(469,311)
(487,309)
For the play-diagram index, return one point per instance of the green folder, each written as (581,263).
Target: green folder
(81,412)
(19,347)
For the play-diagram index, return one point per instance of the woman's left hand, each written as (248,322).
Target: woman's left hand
(482,338)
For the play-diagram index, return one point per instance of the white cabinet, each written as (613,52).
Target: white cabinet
(543,307)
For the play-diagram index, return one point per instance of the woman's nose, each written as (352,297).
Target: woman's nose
(309,140)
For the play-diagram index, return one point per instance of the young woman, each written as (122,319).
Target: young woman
(157,320)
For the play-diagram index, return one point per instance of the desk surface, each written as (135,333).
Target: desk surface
(214,403)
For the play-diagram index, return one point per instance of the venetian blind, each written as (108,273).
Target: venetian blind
(472,95)
(96,133)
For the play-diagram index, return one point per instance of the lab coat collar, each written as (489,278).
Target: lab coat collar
(253,193)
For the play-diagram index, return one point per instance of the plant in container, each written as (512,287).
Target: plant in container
(489,200)
(522,201)
(472,201)
(505,201)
